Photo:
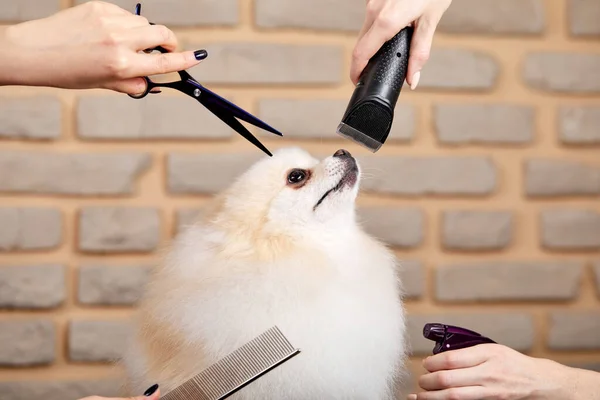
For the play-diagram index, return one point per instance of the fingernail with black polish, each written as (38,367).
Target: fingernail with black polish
(150,391)
(200,54)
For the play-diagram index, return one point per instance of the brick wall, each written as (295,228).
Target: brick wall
(489,187)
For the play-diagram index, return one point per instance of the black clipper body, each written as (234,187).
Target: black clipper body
(370,113)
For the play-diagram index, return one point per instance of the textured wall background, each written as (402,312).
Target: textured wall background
(489,187)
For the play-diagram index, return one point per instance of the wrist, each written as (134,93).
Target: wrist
(9,57)
(572,383)
(586,384)
(13,65)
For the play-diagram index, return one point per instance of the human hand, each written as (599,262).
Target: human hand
(152,393)
(493,372)
(384,19)
(92,45)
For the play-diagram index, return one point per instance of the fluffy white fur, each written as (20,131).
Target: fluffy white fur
(262,255)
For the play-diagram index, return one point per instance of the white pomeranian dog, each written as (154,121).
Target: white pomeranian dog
(281,246)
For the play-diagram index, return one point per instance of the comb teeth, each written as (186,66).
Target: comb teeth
(238,369)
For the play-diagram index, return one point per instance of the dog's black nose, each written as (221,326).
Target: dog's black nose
(342,153)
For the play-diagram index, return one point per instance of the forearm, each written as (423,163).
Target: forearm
(586,385)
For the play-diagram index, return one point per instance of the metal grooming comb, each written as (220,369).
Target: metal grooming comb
(238,369)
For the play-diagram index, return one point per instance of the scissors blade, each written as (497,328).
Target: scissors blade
(237,126)
(211,97)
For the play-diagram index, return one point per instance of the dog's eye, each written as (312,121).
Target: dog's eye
(296,176)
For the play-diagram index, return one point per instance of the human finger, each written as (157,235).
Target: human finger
(455,359)
(125,22)
(152,393)
(453,378)
(133,86)
(151,36)
(164,63)
(372,11)
(420,48)
(388,23)
(462,393)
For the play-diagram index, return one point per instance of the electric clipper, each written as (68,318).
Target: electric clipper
(370,113)
(448,337)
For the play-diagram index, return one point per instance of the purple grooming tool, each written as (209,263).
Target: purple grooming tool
(448,337)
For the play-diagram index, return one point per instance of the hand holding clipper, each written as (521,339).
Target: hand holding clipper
(370,113)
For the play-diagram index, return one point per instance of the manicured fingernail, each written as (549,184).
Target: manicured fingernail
(412,397)
(150,391)
(415,80)
(200,54)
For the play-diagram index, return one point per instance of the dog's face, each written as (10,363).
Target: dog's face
(295,193)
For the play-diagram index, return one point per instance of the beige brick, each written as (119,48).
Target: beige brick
(574,330)
(514,330)
(318,119)
(269,63)
(86,174)
(30,228)
(583,365)
(97,340)
(185,217)
(459,69)
(496,281)
(32,286)
(206,173)
(556,177)
(570,229)
(27,342)
(579,125)
(484,123)
(583,17)
(398,227)
(412,276)
(572,72)
(310,14)
(25,10)
(494,17)
(58,389)
(30,117)
(185,13)
(445,175)
(111,284)
(118,229)
(476,230)
(154,117)
(597,274)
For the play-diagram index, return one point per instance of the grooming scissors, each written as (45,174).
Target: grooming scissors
(448,337)
(222,108)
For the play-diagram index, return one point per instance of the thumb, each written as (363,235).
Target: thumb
(152,393)
(420,49)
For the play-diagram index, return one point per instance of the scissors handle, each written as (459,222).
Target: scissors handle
(149,83)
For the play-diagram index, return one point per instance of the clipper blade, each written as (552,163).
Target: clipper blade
(358,137)
(238,369)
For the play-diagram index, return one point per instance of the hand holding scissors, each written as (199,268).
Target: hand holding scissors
(220,107)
